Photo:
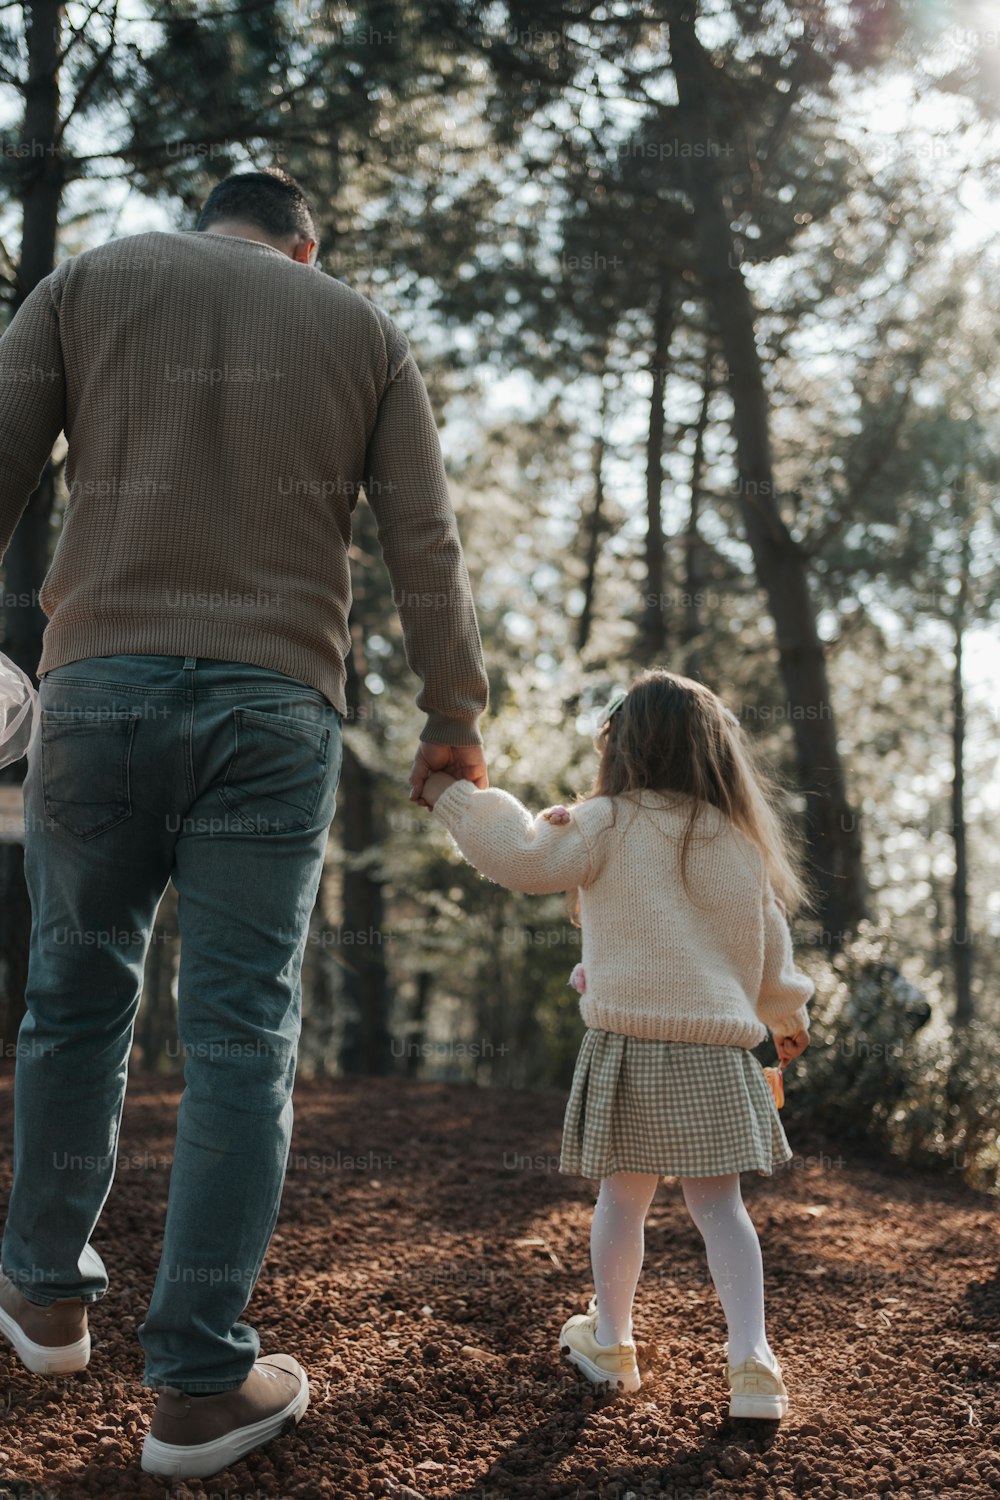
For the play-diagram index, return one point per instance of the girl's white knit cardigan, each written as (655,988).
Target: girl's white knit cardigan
(712,966)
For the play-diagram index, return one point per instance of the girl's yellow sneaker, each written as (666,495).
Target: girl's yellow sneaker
(611,1364)
(757,1391)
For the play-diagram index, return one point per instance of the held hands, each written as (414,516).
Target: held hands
(436,783)
(788,1047)
(459,762)
(557,814)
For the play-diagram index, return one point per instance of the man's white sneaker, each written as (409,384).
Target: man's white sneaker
(49,1340)
(195,1437)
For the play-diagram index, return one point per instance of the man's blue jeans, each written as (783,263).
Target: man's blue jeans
(222,776)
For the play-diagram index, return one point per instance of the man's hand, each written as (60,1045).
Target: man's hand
(557,815)
(791,1046)
(462,762)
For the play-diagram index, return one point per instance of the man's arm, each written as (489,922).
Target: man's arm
(32,403)
(407,490)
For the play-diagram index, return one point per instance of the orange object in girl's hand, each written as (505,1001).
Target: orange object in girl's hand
(776,1082)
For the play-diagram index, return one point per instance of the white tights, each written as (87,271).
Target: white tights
(734,1260)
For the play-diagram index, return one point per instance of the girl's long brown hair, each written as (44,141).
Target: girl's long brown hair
(672,734)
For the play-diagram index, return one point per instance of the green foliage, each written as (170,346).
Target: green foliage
(929,1098)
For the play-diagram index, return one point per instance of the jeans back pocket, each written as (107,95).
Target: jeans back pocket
(276,772)
(86,766)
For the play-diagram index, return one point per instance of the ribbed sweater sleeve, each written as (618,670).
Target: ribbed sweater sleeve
(32,403)
(498,835)
(784,991)
(407,490)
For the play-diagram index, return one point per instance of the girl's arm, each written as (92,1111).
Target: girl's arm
(784,990)
(498,835)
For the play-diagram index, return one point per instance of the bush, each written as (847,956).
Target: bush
(928,1096)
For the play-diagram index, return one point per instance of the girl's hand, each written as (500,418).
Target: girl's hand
(436,783)
(557,814)
(789,1047)
(457,760)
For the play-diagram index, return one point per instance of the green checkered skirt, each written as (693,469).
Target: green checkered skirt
(678,1109)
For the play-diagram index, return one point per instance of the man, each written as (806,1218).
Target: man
(223,402)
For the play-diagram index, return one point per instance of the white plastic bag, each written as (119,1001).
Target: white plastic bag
(19,714)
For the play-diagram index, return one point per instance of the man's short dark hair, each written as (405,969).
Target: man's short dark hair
(271,200)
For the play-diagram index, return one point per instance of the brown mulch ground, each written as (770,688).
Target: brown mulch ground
(426,1255)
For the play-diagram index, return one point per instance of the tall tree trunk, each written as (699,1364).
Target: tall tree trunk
(320,1048)
(502,999)
(415,1041)
(691,620)
(40,189)
(961,937)
(594,525)
(366,1035)
(42,176)
(654,625)
(832,828)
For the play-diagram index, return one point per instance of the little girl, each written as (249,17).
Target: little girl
(682,878)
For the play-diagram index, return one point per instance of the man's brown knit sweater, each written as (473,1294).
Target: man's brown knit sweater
(223,406)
